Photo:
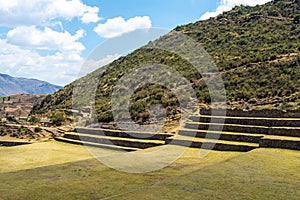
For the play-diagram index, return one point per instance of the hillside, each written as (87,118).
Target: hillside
(256,49)
(18,105)
(10,85)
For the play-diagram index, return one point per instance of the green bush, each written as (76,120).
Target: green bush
(58,119)
(297,18)
(37,129)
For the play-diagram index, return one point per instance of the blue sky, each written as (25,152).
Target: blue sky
(163,14)
(50,39)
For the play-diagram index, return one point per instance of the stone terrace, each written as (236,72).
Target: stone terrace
(237,131)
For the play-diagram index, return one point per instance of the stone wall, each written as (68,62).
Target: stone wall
(254,113)
(118,142)
(220,136)
(11,144)
(118,133)
(248,121)
(208,145)
(285,144)
(229,128)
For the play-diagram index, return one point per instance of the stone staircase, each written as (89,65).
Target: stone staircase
(114,139)
(238,131)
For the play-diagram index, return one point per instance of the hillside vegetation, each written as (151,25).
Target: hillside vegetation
(256,49)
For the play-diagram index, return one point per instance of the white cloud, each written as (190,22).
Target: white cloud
(20,54)
(59,68)
(37,45)
(39,12)
(226,5)
(117,26)
(47,39)
(91,15)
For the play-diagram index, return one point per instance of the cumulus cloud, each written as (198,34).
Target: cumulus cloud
(37,45)
(59,68)
(20,54)
(91,15)
(38,12)
(226,5)
(117,26)
(46,39)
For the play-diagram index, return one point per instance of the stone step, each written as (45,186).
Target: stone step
(96,145)
(118,141)
(123,134)
(221,145)
(227,127)
(253,113)
(12,143)
(283,131)
(230,136)
(258,121)
(283,142)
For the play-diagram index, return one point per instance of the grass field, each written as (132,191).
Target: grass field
(40,155)
(53,170)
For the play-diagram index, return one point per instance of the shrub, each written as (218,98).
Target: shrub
(37,129)
(58,119)
(297,18)
(34,119)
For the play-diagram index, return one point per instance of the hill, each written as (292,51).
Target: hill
(10,85)
(18,105)
(256,49)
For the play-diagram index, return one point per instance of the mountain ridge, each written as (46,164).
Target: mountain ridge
(17,85)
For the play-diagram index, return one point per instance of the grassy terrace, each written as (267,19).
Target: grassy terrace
(54,170)
(97,145)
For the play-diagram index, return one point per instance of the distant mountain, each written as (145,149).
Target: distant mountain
(10,85)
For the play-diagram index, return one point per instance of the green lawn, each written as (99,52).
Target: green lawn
(40,155)
(73,174)
(260,174)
